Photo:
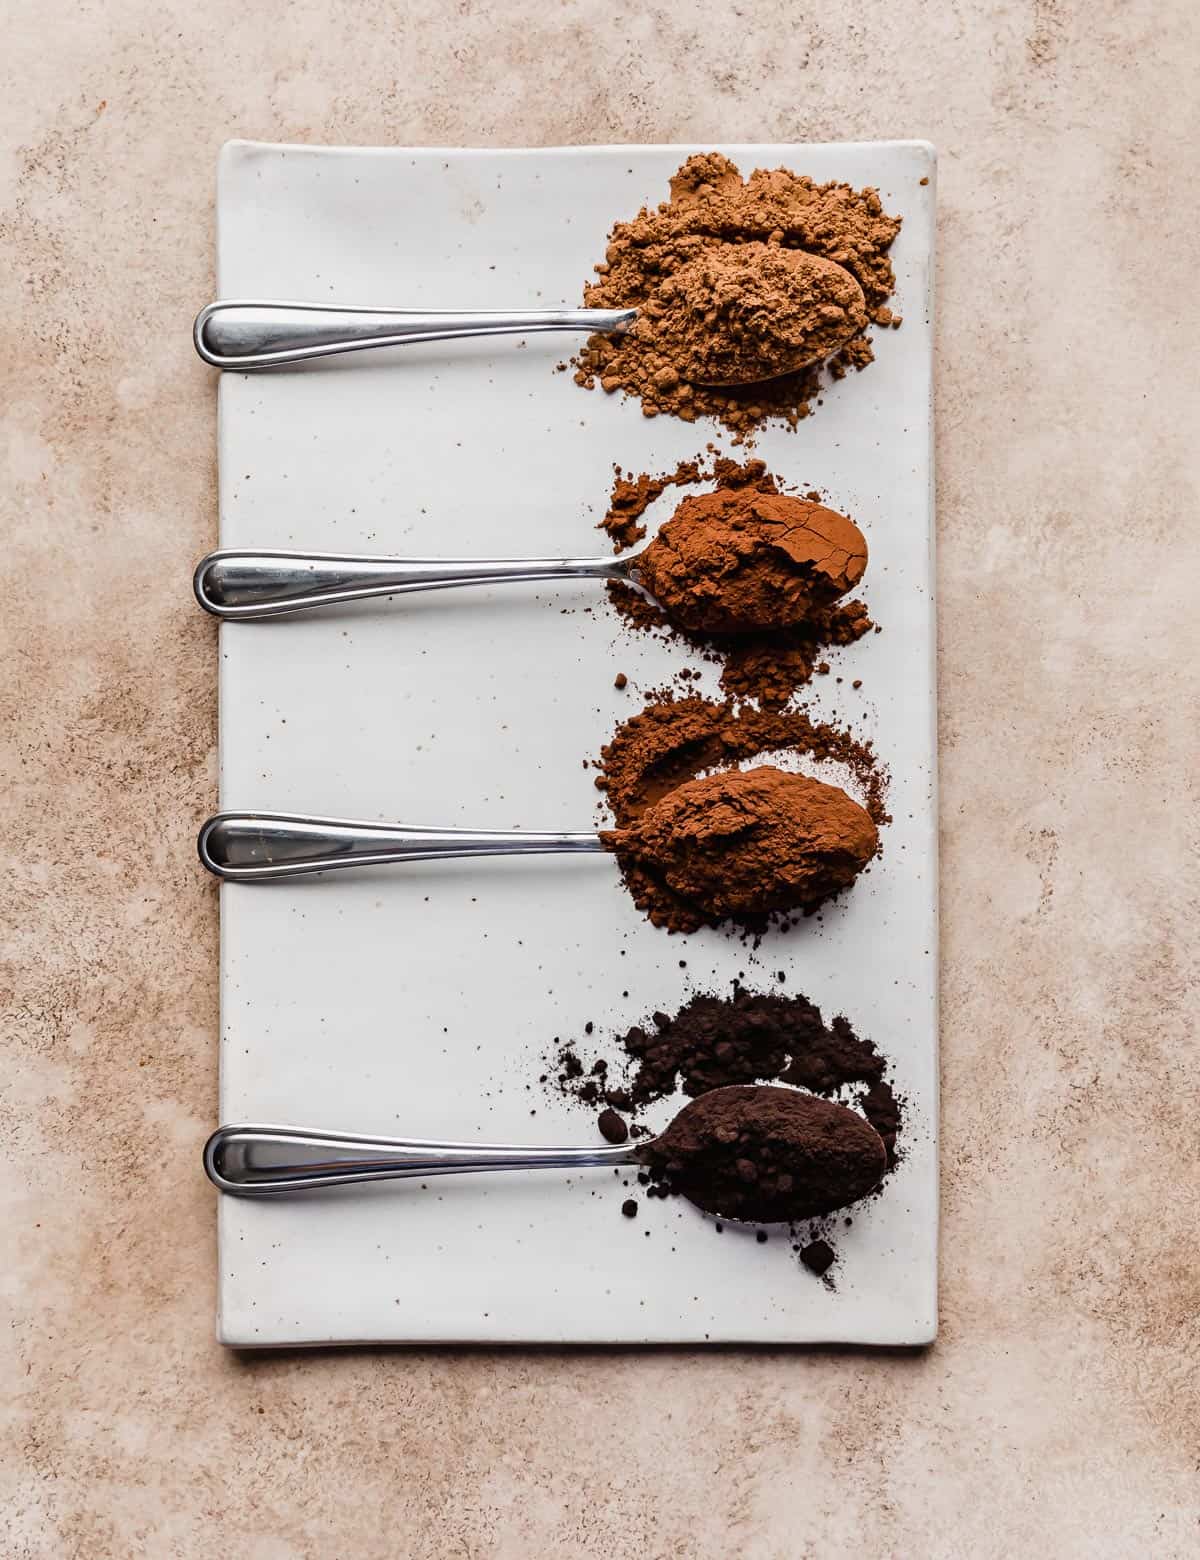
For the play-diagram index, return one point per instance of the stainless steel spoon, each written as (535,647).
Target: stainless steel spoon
(261,1161)
(262,583)
(258,846)
(241,335)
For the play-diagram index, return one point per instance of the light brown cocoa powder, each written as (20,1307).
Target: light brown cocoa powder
(677,264)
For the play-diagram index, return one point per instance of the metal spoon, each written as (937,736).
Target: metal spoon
(257,1161)
(257,846)
(243,335)
(263,1161)
(263,583)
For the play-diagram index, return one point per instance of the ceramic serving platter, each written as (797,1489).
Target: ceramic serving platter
(420,1001)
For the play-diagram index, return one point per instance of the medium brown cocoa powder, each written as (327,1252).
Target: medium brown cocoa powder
(742,845)
(737,314)
(674,739)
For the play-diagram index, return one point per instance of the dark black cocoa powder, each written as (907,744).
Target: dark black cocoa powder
(747,1037)
(766,1155)
(612,1126)
(818,1257)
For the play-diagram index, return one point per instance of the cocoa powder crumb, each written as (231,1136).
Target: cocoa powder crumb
(818,1257)
(713,272)
(612,1126)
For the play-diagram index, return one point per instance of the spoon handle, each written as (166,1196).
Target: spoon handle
(254,847)
(242,335)
(260,583)
(254,1161)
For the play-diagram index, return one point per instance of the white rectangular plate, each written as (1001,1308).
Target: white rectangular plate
(419,1001)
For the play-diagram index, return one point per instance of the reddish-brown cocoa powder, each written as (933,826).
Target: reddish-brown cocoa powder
(742,562)
(768,662)
(740,845)
(674,739)
(632,495)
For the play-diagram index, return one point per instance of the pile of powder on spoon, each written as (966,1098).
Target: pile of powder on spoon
(713,1041)
(766,1155)
(750,576)
(742,845)
(736,562)
(676,264)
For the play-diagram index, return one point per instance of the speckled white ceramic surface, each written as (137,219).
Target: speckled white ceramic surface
(421,1001)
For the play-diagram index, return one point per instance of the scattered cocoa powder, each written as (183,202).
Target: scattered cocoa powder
(742,845)
(769,662)
(632,495)
(767,1155)
(770,667)
(673,740)
(678,265)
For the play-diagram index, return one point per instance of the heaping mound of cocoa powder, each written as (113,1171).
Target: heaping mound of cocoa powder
(741,313)
(780,561)
(712,1041)
(743,844)
(673,741)
(662,262)
(767,1155)
(737,561)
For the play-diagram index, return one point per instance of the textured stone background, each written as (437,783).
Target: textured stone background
(1057,1414)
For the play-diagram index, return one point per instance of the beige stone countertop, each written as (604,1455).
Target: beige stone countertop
(1056,1416)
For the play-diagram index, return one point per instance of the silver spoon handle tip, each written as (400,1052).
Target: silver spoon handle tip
(260,847)
(241,583)
(237,334)
(257,1161)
